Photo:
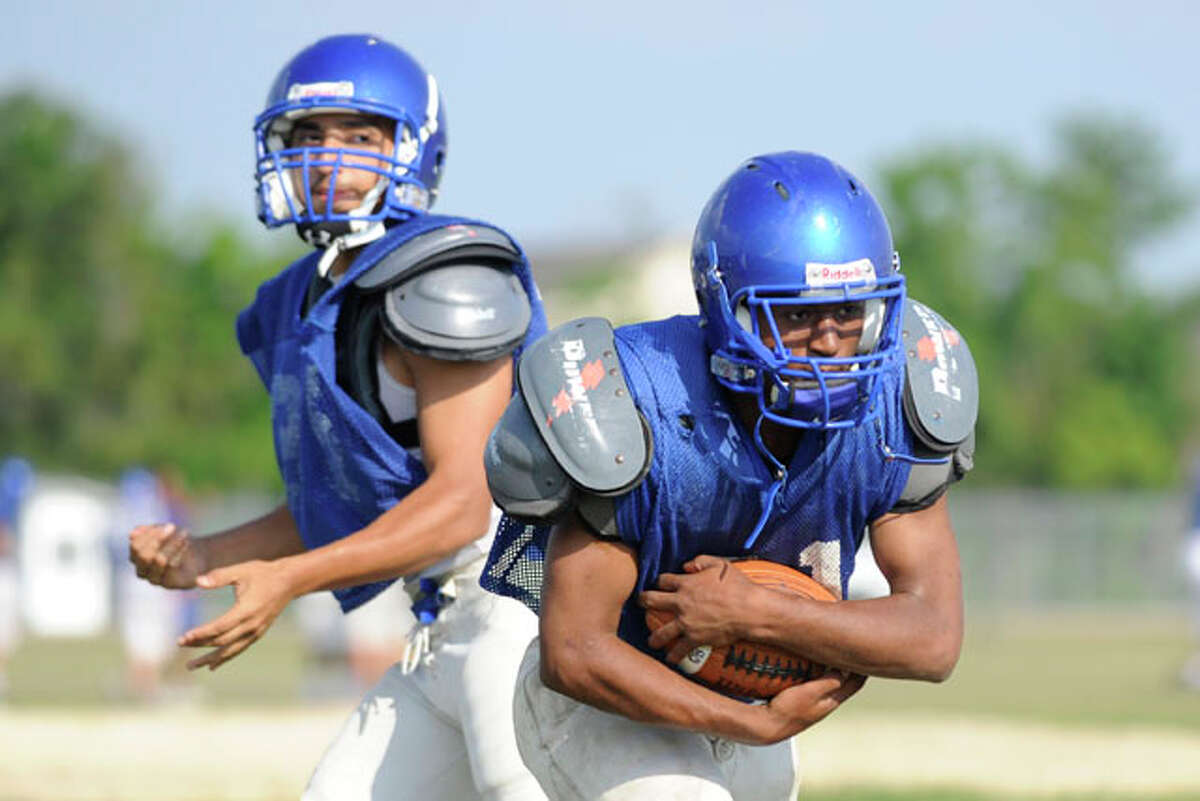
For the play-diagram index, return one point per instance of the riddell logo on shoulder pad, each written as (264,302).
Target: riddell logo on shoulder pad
(851,272)
(579,380)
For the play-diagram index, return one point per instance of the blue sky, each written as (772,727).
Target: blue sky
(585,122)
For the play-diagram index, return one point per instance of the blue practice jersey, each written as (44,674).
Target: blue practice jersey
(340,468)
(16,481)
(707,482)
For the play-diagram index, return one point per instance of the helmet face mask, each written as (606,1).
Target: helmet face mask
(349,75)
(793,237)
(288,173)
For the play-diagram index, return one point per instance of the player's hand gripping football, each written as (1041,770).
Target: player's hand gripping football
(167,555)
(707,599)
(261,592)
(795,709)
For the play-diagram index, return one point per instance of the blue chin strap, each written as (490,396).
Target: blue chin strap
(791,404)
(769,497)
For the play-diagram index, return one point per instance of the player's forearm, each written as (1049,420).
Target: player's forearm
(607,673)
(272,536)
(902,636)
(428,525)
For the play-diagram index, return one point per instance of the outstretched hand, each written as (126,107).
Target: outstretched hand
(708,600)
(166,555)
(261,593)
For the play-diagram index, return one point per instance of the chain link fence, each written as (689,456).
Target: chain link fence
(1020,547)
(1033,548)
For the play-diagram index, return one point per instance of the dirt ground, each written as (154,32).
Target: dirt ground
(1024,759)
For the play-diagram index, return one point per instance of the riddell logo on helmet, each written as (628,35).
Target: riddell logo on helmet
(852,272)
(300,91)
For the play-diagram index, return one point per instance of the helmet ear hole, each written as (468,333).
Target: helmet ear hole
(873,315)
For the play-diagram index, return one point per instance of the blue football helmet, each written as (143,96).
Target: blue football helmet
(790,230)
(355,74)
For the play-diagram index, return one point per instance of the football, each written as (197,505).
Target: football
(749,669)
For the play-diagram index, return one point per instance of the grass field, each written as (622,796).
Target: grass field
(1114,669)
(1066,705)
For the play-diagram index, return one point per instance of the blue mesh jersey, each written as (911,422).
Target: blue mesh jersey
(707,481)
(340,468)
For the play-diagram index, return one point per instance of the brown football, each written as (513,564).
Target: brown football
(749,669)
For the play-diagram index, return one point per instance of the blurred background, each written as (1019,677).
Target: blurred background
(1040,167)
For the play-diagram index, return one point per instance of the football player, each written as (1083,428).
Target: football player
(387,353)
(148,617)
(16,482)
(809,402)
(1189,673)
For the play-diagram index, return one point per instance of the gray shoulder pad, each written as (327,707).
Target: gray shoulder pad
(524,479)
(941,388)
(458,312)
(572,383)
(478,244)
(571,437)
(941,404)
(928,480)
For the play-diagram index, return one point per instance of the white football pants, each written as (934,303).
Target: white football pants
(445,731)
(580,753)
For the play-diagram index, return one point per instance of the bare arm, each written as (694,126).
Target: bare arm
(587,582)
(272,536)
(458,404)
(164,554)
(915,632)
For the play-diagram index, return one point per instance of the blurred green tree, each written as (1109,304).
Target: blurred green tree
(1087,379)
(116,338)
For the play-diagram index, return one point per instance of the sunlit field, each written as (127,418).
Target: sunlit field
(1065,705)
(1085,668)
